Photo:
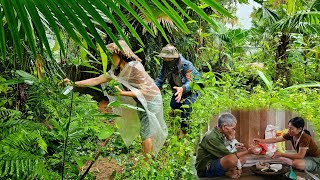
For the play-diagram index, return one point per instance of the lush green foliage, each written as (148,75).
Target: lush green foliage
(39,129)
(176,158)
(32,139)
(44,133)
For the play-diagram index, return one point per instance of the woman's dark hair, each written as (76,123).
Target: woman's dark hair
(125,58)
(298,122)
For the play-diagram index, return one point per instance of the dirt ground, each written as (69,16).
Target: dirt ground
(104,168)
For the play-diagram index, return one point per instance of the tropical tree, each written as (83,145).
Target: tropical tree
(28,26)
(188,44)
(84,21)
(25,33)
(291,17)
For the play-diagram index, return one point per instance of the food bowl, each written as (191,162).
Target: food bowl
(276,166)
(273,172)
(269,170)
(261,165)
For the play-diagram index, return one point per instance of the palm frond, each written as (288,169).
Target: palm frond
(307,85)
(13,26)
(79,20)
(86,22)
(173,15)
(304,23)
(161,18)
(201,13)
(269,15)
(2,35)
(147,11)
(265,80)
(315,5)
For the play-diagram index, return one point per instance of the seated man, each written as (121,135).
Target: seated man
(213,157)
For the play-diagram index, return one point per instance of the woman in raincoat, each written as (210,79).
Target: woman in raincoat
(139,90)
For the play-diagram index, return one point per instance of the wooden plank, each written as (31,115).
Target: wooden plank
(236,114)
(254,126)
(288,116)
(263,122)
(272,117)
(244,127)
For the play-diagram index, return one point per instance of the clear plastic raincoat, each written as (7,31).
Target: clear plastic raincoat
(134,77)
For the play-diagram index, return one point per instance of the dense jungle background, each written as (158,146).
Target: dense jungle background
(45,134)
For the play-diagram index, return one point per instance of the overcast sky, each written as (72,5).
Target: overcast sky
(243,14)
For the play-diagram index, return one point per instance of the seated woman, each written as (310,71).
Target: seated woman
(308,153)
(139,90)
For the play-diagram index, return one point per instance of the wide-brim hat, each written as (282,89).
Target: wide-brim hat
(169,51)
(126,50)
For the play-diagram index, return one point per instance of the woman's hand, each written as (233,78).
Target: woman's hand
(66,81)
(121,92)
(124,93)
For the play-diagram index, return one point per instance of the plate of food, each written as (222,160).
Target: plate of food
(269,169)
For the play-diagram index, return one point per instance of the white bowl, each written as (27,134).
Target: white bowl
(276,166)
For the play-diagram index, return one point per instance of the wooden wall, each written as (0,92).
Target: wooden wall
(251,124)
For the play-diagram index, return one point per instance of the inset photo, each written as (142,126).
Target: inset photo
(159,89)
(258,144)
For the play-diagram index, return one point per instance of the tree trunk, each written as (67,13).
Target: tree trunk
(21,96)
(317,77)
(220,57)
(282,68)
(305,63)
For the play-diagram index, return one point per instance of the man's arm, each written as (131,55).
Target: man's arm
(270,140)
(303,147)
(190,75)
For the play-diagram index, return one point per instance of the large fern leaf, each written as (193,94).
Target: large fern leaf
(17,164)
(5,113)
(12,125)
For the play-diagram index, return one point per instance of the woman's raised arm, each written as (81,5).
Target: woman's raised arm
(90,82)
